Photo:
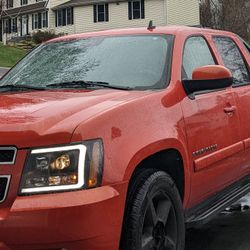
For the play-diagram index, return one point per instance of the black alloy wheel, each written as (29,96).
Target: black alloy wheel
(154,217)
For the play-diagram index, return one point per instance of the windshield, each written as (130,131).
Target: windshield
(125,61)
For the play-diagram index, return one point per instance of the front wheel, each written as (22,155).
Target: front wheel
(154,217)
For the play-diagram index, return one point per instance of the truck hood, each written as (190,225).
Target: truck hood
(40,118)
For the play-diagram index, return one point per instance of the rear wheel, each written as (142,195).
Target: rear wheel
(154,218)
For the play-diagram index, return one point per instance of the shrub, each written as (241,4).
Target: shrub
(42,36)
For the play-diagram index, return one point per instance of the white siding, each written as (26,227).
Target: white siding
(69,29)
(118,17)
(53,3)
(183,12)
(162,12)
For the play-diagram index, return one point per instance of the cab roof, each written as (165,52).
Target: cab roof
(174,30)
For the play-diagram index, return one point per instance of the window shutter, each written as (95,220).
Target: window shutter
(9,26)
(27,24)
(39,20)
(94,12)
(21,25)
(64,17)
(56,15)
(32,21)
(15,25)
(46,18)
(142,9)
(106,12)
(130,10)
(72,15)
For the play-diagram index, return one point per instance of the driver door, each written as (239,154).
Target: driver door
(212,128)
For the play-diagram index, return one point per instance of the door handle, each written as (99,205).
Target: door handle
(229,110)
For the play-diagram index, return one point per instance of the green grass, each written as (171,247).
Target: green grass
(10,55)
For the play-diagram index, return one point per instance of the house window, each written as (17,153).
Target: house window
(34,21)
(24,2)
(9,4)
(101,12)
(7,26)
(14,25)
(136,9)
(10,25)
(40,20)
(64,17)
(45,19)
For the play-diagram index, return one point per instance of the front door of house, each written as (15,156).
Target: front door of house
(24,25)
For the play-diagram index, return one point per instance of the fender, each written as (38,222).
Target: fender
(166,144)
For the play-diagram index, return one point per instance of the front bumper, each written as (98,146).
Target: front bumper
(87,219)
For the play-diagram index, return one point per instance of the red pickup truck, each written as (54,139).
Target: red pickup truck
(121,139)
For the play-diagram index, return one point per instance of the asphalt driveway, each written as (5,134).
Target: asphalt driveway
(228,231)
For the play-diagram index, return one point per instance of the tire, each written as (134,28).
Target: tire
(154,217)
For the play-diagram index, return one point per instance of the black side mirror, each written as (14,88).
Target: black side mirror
(207,78)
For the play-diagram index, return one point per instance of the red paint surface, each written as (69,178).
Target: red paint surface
(211,72)
(133,126)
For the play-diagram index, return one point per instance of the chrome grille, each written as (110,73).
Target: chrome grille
(4,185)
(7,155)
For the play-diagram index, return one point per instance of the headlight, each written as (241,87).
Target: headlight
(63,168)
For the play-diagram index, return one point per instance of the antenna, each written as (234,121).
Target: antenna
(151,26)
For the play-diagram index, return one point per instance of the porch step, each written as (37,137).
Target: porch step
(23,44)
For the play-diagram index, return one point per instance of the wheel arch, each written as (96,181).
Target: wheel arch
(169,156)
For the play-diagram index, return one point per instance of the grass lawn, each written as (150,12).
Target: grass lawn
(9,55)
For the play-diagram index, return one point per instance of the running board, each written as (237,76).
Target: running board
(211,207)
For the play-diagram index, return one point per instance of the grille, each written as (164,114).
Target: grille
(4,184)
(7,155)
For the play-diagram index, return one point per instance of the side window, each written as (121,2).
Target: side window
(196,54)
(247,46)
(232,59)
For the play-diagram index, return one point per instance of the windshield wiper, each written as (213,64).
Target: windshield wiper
(85,84)
(10,87)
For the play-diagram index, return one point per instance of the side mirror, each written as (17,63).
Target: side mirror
(210,77)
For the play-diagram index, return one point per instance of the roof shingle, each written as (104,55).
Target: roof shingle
(73,3)
(31,8)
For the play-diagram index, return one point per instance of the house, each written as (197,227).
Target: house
(24,17)
(0,22)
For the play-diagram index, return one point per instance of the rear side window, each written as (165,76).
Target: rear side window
(196,54)
(232,59)
(247,46)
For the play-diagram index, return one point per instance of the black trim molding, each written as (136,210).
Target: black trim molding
(192,87)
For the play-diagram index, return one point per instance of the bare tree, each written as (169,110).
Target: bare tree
(231,15)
